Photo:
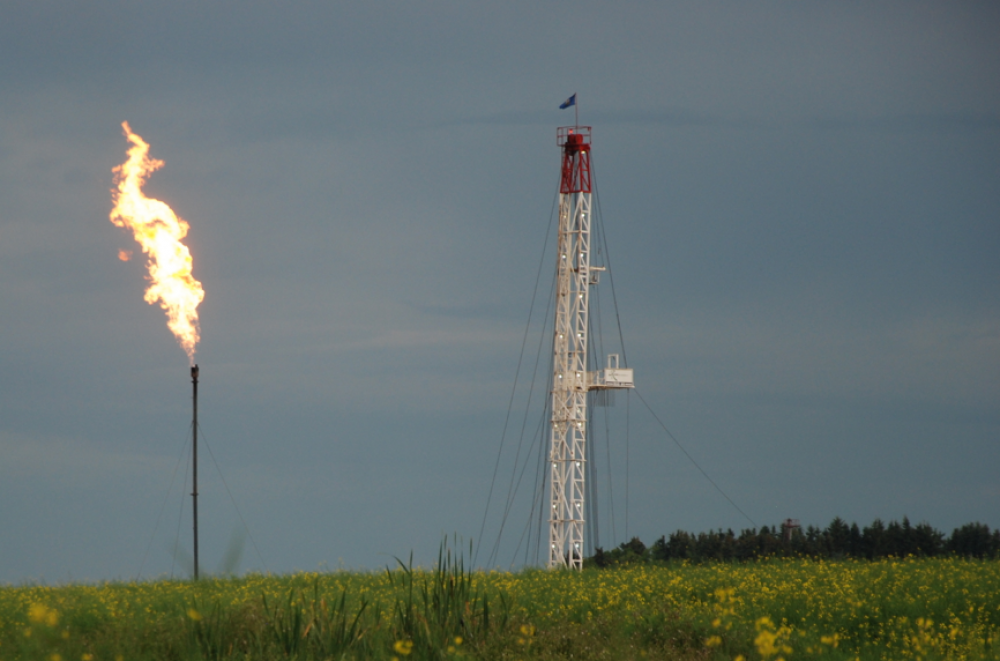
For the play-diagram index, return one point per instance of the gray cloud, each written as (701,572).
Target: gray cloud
(800,203)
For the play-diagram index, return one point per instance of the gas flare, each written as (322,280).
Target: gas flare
(159,232)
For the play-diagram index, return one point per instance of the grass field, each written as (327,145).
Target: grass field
(790,609)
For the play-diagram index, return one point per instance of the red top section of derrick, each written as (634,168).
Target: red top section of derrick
(575,143)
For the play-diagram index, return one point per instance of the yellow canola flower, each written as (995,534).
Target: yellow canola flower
(765,643)
(770,642)
(403,647)
(194,615)
(41,614)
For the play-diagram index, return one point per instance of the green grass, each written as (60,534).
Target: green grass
(791,609)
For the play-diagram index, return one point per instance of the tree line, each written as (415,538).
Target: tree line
(837,541)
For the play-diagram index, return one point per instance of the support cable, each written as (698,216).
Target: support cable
(520,476)
(593,527)
(607,429)
(607,257)
(627,403)
(691,459)
(592,509)
(513,489)
(163,507)
(233,500)
(538,437)
(513,390)
(604,251)
(536,494)
(611,492)
(180,516)
(542,509)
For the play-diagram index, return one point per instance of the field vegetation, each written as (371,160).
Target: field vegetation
(782,608)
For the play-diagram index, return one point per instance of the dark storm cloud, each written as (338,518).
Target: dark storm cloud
(800,203)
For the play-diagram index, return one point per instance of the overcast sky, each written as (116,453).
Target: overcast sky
(801,202)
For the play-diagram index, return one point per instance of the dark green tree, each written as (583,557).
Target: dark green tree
(973,540)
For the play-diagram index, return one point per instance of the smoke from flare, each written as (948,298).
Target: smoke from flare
(159,232)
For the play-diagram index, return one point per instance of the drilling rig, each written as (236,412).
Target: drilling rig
(571,381)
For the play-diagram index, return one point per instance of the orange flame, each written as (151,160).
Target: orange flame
(159,232)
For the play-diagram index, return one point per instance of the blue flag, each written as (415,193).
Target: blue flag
(571,101)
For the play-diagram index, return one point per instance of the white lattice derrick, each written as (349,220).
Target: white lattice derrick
(570,378)
(570,384)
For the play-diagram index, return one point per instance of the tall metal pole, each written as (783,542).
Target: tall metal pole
(194,465)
